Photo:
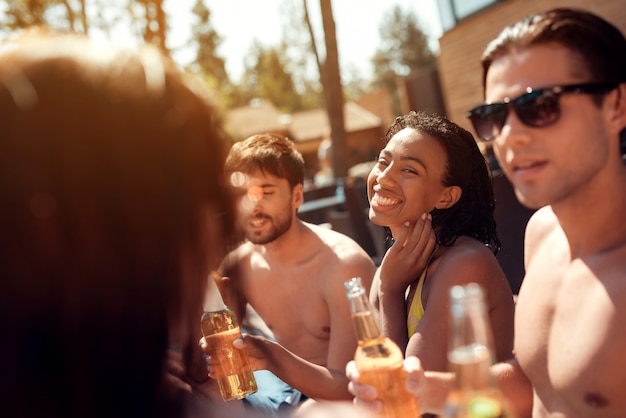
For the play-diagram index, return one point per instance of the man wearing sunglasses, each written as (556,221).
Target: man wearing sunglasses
(554,112)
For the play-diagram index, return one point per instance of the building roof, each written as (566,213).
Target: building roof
(313,124)
(262,116)
(259,116)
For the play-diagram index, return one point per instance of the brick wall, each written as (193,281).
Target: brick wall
(462,46)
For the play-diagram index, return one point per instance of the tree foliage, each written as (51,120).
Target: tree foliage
(153,22)
(145,19)
(60,14)
(206,41)
(265,76)
(403,50)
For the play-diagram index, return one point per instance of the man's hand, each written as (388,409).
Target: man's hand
(258,348)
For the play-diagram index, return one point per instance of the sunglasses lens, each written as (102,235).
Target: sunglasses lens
(538,108)
(488,119)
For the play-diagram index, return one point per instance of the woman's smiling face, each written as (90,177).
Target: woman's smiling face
(407,179)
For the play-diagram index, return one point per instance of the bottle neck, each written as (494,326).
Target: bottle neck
(364,316)
(213,301)
(366,327)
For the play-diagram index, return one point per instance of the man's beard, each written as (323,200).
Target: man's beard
(278,227)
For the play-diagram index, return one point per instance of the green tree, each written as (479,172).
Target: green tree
(146,19)
(207,41)
(403,50)
(265,76)
(300,58)
(150,21)
(59,14)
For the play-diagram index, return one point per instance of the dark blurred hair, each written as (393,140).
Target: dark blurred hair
(269,152)
(111,163)
(466,167)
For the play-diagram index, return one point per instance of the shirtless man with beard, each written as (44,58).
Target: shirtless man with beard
(292,274)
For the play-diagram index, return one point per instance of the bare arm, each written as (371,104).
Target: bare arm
(315,381)
(231,284)
(343,341)
(467,261)
(320,382)
(402,264)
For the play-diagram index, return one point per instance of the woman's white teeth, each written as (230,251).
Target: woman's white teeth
(385,201)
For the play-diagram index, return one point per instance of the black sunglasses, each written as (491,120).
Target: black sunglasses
(536,108)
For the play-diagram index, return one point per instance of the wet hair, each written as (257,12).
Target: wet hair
(268,152)
(111,168)
(600,46)
(466,168)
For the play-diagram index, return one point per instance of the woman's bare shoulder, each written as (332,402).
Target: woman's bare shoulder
(466,261)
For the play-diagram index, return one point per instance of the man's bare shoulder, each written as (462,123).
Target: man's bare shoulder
(343,258)
(342,245)
(541,228)
(236,256)
(337,242)
(541,223)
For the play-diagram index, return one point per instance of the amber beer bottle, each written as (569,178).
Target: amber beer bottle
(470,356)
(220,328)
(378,359)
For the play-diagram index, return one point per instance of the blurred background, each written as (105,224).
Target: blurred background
(329,74)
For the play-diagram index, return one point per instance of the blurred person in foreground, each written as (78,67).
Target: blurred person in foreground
(292,274)
(112,213)
(555,111)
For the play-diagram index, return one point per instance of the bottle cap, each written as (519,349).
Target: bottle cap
(354,286)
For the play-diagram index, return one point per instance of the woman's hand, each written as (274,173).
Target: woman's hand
(364,396)
(408,256)
(429,399)
(367,396)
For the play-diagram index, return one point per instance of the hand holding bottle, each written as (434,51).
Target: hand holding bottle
(364,395)
(257,348)
(429,388)
(229,366)
(378,359)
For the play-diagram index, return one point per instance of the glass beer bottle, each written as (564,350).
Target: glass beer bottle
(470,356)
(379,359)
(220,328)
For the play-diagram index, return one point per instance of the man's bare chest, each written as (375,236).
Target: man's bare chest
(568,339)
(292,304)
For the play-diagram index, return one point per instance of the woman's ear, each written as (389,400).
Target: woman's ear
(449,196)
